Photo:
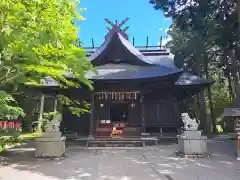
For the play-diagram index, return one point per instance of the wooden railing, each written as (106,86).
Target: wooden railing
(13,125)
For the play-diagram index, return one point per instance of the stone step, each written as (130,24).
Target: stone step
(115,143)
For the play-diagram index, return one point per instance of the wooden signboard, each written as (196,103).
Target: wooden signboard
(237,123)
(116,95)
(232,112)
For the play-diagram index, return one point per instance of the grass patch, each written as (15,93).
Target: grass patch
(30,136)
(232,137)
(8,141)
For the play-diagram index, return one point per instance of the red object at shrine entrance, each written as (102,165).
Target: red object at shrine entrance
(5,125)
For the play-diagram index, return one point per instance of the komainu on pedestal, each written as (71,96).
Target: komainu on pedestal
(191,143)
(52,144)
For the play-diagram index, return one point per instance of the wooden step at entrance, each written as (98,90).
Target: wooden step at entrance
(115,143)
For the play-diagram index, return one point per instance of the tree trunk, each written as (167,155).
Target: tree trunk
(234,68)
(230,89)
(202,103)
(238,10)
(203,114)
(213,118)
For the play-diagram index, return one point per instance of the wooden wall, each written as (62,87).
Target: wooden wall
(72,123)
(160,110)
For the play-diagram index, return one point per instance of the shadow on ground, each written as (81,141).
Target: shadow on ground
(157,162)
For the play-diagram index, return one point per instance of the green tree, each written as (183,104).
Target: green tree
(38,42)
(204,39)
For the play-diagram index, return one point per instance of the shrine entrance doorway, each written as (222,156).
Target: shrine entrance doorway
(119,112)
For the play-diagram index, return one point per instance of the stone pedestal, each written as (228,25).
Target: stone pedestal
(51,145)
(192,144)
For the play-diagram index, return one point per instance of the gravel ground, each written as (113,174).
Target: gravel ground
(150,163)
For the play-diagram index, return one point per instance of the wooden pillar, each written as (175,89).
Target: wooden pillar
(91,123)
(40,115)
(55,105)
(142,114)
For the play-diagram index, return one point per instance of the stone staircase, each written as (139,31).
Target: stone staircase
(115,143)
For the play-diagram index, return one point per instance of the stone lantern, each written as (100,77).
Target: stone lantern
(234,113)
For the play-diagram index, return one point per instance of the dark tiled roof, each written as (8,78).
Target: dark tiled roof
(130,53)
(137,65)
(187,79)
(130,72)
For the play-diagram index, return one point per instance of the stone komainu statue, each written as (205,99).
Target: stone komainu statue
(189,124)
(54,124)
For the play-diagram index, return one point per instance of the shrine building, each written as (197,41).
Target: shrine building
(136,89)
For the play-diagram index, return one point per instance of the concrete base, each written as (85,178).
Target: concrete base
(183,155)
(191,143)
(238,153)
(238,145)
(50,147)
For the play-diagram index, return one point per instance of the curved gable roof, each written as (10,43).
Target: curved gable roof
(124,52)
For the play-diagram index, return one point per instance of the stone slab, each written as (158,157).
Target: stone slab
(52,139)
(192,146)
(192,134)
(47,147)
(52,134)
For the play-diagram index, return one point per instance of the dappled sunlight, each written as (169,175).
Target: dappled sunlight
(21,149)
(139,162)
(84,175)
(217,155)
(179,167)
(149,163)
(226,162)
(173,158)
(165,165)
(202,165)
(115,178)
(165,171)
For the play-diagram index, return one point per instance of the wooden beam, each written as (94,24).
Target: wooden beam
(123,22)
(109,22)
(93,43)
(55,105)
(40,115)
(135,46)
(125,29)
(143,114)
(160,43)
(91,123)
(231,112)
(147,43)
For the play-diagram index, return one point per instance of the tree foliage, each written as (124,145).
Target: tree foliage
(9,107)
(205,40)
(38,42)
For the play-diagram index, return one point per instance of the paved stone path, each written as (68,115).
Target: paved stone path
(151,163)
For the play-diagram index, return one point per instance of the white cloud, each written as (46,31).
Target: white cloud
(166,40)
(167,19)
(166,30)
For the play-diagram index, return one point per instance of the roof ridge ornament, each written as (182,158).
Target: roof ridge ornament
(115,27)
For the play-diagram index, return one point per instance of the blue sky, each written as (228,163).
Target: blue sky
(144,20)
